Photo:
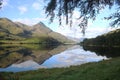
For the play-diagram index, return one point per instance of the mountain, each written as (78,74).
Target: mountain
(40,30)
(110,39)
(60,38)
(8,29)
(15,30)
(9,26)
(26,30)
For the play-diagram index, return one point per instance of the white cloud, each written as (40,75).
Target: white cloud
(22,9)
(5,3)
(72,56)
(36,5)
(39,4)
(75,32)
(76,14)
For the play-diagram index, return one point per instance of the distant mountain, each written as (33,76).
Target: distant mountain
(110,39)
(60,38)
(75,39)
(17,30)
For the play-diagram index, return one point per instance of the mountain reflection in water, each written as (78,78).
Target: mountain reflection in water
(22,57)
(17,58)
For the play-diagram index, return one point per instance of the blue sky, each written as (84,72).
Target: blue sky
(31,12)
(23,9)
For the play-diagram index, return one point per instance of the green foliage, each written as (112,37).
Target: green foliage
(0,3)
(88,9)
(110,39)
(2,34)
(109,52)
(104,70)
(41,40)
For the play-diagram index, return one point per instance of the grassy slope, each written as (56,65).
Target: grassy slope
(9,26)
(15,32)
(40,40)
(60,38)
(104,70)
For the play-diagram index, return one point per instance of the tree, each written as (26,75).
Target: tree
(0,3)
(88,9)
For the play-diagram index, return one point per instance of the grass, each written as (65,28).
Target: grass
(104,70)
(41,40)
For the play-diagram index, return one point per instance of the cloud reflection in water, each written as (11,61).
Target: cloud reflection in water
(73,56)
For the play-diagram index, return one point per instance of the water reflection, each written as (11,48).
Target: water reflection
(29,57)
(72,56)
(10,54)
(14,56)
(109,52)
(24,66)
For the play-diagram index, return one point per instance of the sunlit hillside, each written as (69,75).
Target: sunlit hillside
(17,31)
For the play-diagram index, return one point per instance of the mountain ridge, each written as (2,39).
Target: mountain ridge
(17,29)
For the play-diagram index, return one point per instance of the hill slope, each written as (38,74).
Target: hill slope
(14,30)
(109,39)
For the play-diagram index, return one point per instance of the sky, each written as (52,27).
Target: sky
(31,12)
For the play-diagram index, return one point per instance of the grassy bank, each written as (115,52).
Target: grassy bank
(104,70)
(41,40)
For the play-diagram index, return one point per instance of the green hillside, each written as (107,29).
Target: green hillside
(26,30)
(9,26)
(40,30)
(16,32)
(111,39)
(60,37)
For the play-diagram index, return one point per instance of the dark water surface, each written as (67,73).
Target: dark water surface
(15,58)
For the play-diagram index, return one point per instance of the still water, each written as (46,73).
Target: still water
(31,57)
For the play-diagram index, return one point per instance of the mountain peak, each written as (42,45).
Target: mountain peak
(41,27)
(41,23)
